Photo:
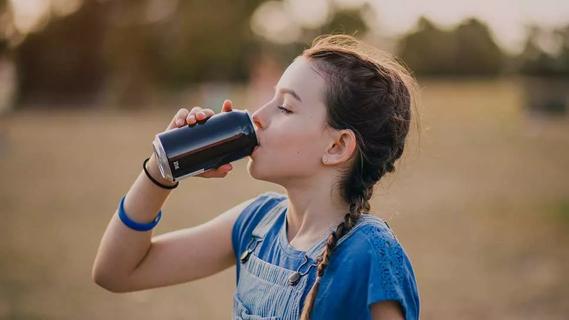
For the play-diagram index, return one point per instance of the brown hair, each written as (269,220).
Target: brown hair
(371,93)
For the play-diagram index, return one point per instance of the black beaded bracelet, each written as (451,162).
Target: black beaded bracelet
(154,180)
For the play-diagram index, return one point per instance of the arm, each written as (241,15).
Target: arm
(386,310)
(130,260)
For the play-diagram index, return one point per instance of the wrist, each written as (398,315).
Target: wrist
(154,170)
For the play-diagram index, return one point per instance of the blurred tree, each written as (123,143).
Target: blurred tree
(563,57)
(535,61)
(64,62)
(8,74)
(346,22)
(4,21)
(6,26)
(469,49)
(131,47)
(200,42)
(429,49)
(476,51)
(546,80)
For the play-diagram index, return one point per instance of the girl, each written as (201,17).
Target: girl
(336,124)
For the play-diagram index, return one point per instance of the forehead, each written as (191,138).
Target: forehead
(302,77)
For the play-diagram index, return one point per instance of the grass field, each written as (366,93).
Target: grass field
(481,205)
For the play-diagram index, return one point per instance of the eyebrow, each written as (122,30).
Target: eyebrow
(289,91)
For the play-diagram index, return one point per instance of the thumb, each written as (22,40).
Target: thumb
(227,105)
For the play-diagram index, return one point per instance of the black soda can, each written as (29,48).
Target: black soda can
(206,144)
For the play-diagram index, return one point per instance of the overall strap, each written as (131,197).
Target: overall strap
(269,219)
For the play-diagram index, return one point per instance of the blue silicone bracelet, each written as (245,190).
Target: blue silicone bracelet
(136,225)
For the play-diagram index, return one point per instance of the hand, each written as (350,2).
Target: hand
(184,117)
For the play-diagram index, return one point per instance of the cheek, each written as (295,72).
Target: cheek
(291,147)
(287,154)
(300,149)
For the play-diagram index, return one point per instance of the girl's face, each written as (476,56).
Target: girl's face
(290,127)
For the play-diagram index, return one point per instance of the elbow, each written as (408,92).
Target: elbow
(106,282)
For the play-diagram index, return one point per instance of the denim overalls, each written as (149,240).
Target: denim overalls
(268,291)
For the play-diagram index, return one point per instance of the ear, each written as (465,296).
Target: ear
(341,148)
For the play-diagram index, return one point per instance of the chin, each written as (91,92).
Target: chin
(256,172)
(252,169)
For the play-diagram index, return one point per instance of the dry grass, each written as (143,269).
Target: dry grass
(481,210)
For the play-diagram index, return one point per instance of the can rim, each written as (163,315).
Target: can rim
(252,125)
(163,164)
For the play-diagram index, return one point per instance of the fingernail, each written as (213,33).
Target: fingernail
(179,122)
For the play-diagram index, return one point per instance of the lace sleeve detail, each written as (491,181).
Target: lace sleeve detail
(391,274)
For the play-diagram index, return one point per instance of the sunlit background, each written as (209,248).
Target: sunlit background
(480,199)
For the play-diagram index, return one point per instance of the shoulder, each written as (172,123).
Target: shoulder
(391,274)
(370,241)
(369,265)
(259,205)
(251,215)
(381,239)
(370,236)
(380,247)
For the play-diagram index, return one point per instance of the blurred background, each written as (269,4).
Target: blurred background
(480,199)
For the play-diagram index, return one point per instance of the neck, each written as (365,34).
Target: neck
(312,210)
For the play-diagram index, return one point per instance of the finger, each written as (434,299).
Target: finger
(222,170)
(227,106)
(196,109)
(218,172)
(199,115)
(179,122)
(213,174)
(178,119)
(181,114)
(191,117)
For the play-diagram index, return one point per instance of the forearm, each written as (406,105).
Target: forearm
(121,248)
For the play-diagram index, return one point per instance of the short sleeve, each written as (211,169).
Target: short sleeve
(250,217)
(391,273)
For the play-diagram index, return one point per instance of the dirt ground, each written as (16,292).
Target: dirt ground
(480,203)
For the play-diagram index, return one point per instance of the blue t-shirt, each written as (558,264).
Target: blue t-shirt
(369,266)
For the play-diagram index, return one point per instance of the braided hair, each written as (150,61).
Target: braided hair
(370,93)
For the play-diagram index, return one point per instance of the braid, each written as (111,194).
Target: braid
(371,94)
(360,194)
(350,220)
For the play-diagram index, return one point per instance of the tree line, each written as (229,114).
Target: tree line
(121,46)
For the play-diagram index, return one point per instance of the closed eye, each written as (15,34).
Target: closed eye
(286,111)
